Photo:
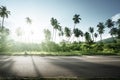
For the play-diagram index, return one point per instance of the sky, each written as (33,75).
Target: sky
(41,11)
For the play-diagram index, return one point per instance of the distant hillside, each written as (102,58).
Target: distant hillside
(107,40)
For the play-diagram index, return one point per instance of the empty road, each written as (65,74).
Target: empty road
(60,66)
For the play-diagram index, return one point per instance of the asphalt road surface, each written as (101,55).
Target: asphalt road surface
(60,66)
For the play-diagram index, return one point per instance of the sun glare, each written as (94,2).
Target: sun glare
(27,34)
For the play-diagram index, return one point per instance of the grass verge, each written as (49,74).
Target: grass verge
(71,53)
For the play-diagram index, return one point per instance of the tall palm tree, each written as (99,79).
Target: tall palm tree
(76,19)
(113,31)
(110,24)
(47,34)
(67,32)
(60,30)
(61,33)
(100,29)
(118,32)
(18,31)
(118,22)
(52,20)
(81,34)
(4,14)
(87,37)
(55,25)
(91,30)
(76,32)
(96,35)
(28,20)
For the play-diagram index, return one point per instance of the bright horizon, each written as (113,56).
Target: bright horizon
(41,11)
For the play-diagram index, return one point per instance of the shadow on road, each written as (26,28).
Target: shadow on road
(6,63)
(36,68)
(88,69)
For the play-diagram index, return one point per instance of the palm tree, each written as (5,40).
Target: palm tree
(110,24)
(18,31)
(96,35)
(4,14)
(28,20)
(87,37)
(47,34)
(100,29)
(81,34)
(118,23)
(76,19)
(113,31)
(61,33)
(55,25)
(76,32)
(67,32)
(118,32)
(91,30)
(52,23)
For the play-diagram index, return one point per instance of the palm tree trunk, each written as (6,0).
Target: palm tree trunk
(0,24)
(93,37)
(3,23)
(53,35)
(101,37)
(113,38)
(74,26)
(72,33)
(80,39)
(68,39)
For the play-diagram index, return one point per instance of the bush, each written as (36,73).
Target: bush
(50,46)
(75,46)
(112,47)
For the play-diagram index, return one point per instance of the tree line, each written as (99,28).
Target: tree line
(90,36)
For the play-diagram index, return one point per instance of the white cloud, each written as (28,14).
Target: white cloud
(116,17)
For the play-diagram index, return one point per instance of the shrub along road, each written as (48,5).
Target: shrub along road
(60,66)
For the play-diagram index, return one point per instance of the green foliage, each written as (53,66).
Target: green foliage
(63,48)
(4,32)
(112,47)
(50,46)
(22,47)
(98,47)
(75,46)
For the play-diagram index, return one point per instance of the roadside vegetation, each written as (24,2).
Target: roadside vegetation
(72,43)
